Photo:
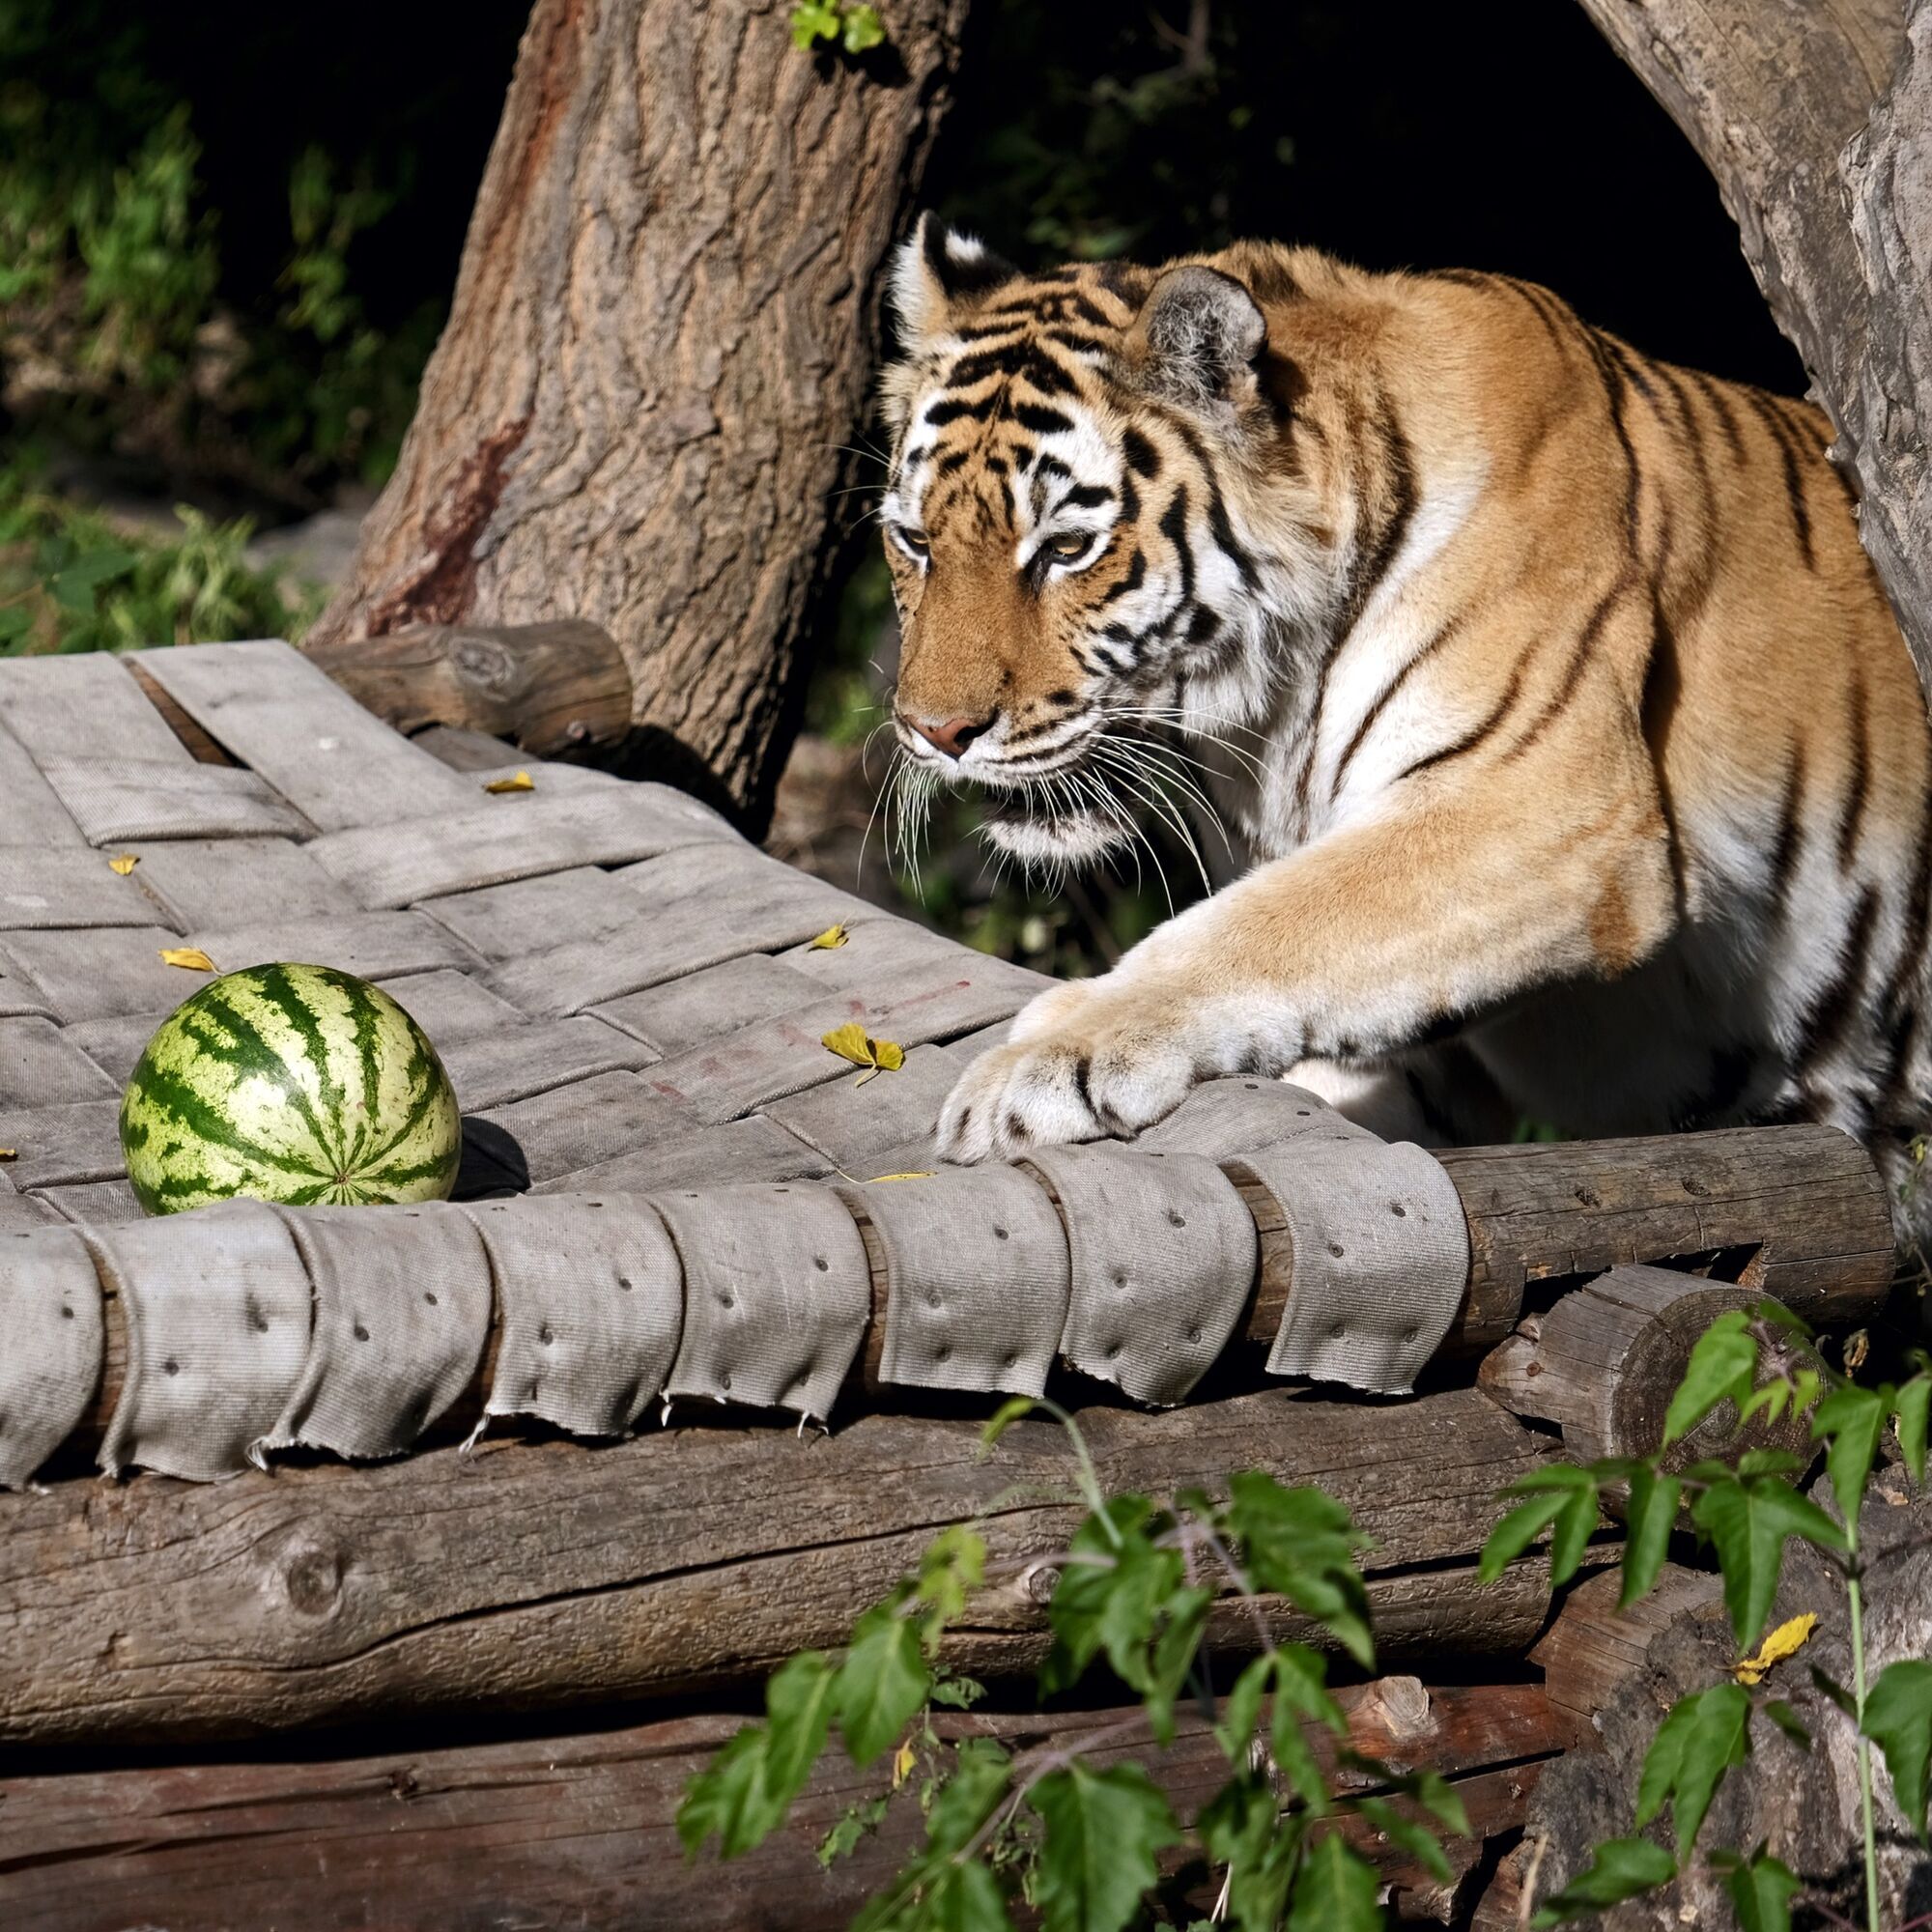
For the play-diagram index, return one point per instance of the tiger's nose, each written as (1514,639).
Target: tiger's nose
(953,734)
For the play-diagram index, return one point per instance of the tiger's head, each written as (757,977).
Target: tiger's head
(1100,522)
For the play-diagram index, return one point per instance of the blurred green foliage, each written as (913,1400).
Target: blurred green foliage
(72,580)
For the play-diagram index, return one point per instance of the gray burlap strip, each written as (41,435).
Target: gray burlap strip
(1380,1256)
(115,799)
(776,1292)
(1222,1117)
(977,1275)
(402,1313)
(590,1304)
(61,887)
(51,1314)
(1163,1256)
(216,1305)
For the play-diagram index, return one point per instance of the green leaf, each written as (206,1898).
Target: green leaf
(1851,1419)
(955,1564)
(1410,1834)
(1747,1522)
(1700,1739)
(981,1776)
(1789,1723)
(1241,1827)
(1761,1892)
(1518,1530)
(853,1825)
(1241,1713)
(1649,1519)
(967,1898)
(1622,1868)
(862,31)
(1096,1859)
(1111,1596)
(812,22)
(75,587)
(1302,1544)
(1335,1890)
(1175,1651)
(882,1683)
(744,1793)
(1899,1721)
(1828,1686)
(1720,1369)
(1913,1403)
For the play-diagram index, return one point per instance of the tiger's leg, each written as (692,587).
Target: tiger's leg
(1437,1096)
(1467,887)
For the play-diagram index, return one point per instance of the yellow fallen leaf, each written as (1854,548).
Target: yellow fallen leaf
(904,1759)
(917,1173)
(123,863)
(1784,1642)
(832,935)
(9,1153)
(851,1041)
(190,956)
(518,781)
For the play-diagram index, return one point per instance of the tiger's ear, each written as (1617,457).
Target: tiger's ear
(1196,338)
(936,274)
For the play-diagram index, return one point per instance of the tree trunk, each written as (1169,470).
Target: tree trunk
(662,335)
(1814,115)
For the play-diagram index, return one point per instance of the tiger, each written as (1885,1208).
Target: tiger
(1578,766)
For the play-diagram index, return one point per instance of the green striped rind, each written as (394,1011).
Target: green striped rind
(290,1083)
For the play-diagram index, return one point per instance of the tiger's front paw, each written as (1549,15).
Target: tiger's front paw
(1087,1060)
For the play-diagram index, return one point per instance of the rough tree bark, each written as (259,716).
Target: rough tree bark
(661,336)
(1815,116)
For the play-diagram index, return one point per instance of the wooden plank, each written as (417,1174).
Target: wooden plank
(581,1831)
(546,1572)
(1592,1647)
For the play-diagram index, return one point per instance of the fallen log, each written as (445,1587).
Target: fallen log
(557,690)
(543,1574)
(1797,1212)
(581,1830)
(1606,1361)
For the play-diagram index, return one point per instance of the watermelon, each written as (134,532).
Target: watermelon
(289,1083)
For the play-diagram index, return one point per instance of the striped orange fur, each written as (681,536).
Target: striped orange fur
(1581,764)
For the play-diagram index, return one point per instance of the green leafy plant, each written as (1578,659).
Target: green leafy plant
(1747,1511)
(849,24)
(1080,1842)
(71,581)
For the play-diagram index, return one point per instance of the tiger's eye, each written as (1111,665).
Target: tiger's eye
(1067,547)
(913,542)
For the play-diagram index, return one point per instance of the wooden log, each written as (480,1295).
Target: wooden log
(1798,1212)
(1592,1647)
(581,1830)
(558,690)
(542,1573)
(1605,1361)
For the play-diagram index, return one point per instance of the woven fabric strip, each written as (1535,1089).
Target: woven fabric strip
(79,1140)
(216,1305)
(34,818)
(116,799)
(42,1066)
(590,1305)
(1224,1117)
(1163,1254)
(222,885)
(65,887)
(514,837)
(1381,1260)
(977,1274)
(51,1314)
(402,1314)
(776,1292)
(338,764)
